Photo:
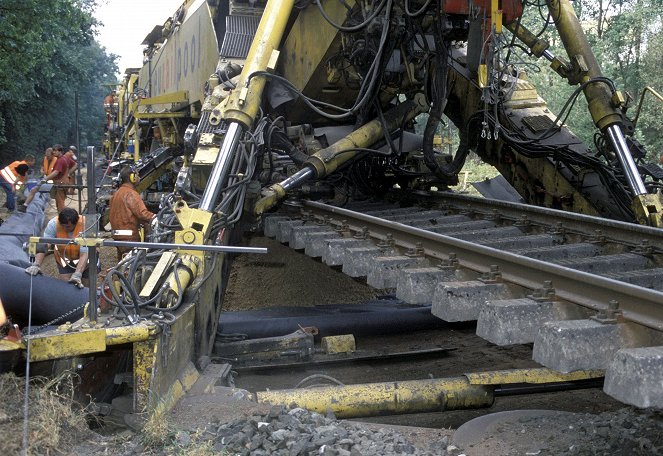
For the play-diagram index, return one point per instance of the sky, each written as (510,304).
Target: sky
(127,22)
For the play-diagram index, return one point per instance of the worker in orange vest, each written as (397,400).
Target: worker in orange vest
(71,259)
(11,179)
(49,162)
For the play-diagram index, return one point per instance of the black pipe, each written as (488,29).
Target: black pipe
(51,298)
(370,318)
(17,229)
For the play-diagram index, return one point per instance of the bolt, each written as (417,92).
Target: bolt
(523,221)
(388,241)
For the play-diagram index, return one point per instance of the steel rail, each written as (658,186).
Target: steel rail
(624,232)
(639,305)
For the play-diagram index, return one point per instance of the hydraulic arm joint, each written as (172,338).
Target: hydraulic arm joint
(328,160)
(240,109)
(605,105)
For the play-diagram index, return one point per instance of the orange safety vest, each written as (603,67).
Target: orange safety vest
(48,166)
(9,174)
(67,255)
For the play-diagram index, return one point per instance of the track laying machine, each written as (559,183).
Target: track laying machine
(241,105)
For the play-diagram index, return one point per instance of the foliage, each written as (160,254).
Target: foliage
(626,38)
(47,56)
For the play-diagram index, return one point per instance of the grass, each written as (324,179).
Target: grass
(477,171)
(57,423)
(54,419)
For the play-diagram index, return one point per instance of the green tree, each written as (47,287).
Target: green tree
(47,55)
(626,38)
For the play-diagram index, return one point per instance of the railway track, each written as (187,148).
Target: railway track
(586,292)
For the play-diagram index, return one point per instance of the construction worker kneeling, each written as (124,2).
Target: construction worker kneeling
(71,259)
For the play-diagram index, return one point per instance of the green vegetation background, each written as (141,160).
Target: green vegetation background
(48,53)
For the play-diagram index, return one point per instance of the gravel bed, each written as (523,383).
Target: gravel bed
(298,432)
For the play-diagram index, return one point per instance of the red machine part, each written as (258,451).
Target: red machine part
(511,9)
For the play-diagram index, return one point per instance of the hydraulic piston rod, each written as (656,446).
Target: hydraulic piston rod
(618,143)
(221,167)
(585,68)
(474,390)
(372,399)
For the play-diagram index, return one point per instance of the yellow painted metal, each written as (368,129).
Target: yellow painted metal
(496,16)
(181,96)
(525,174)
(535,375)
(65,345)
(184,382)
(584,65)
(344,343)
(329,159)
(299,61)
(244,108)
(195,225)
(482,76)
(188,217)
(8,345)
(189,55)
(125,104)
(269,199)
(89,241)
(144,363)
(207,150)
(371,399)
(648,209)
(157,273)
(536,44)
(180,278)
(129,334)
(32,245)
(160,115)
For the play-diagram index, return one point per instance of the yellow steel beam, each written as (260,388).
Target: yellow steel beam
(65,345)
(144,364)
(537,376)
(474,390)
(184,382)
(130,334)
(160,115)
(584,64)
(174,97)
(414,396)
(244,102)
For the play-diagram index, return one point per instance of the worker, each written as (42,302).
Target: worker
(9,177)
(49,162)
(127,210)
(29,160)
(156,138)
(71,259)
(59,175)
(110,101)
(18,180)
(73,164)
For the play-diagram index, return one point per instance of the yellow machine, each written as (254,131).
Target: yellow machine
(241,103)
